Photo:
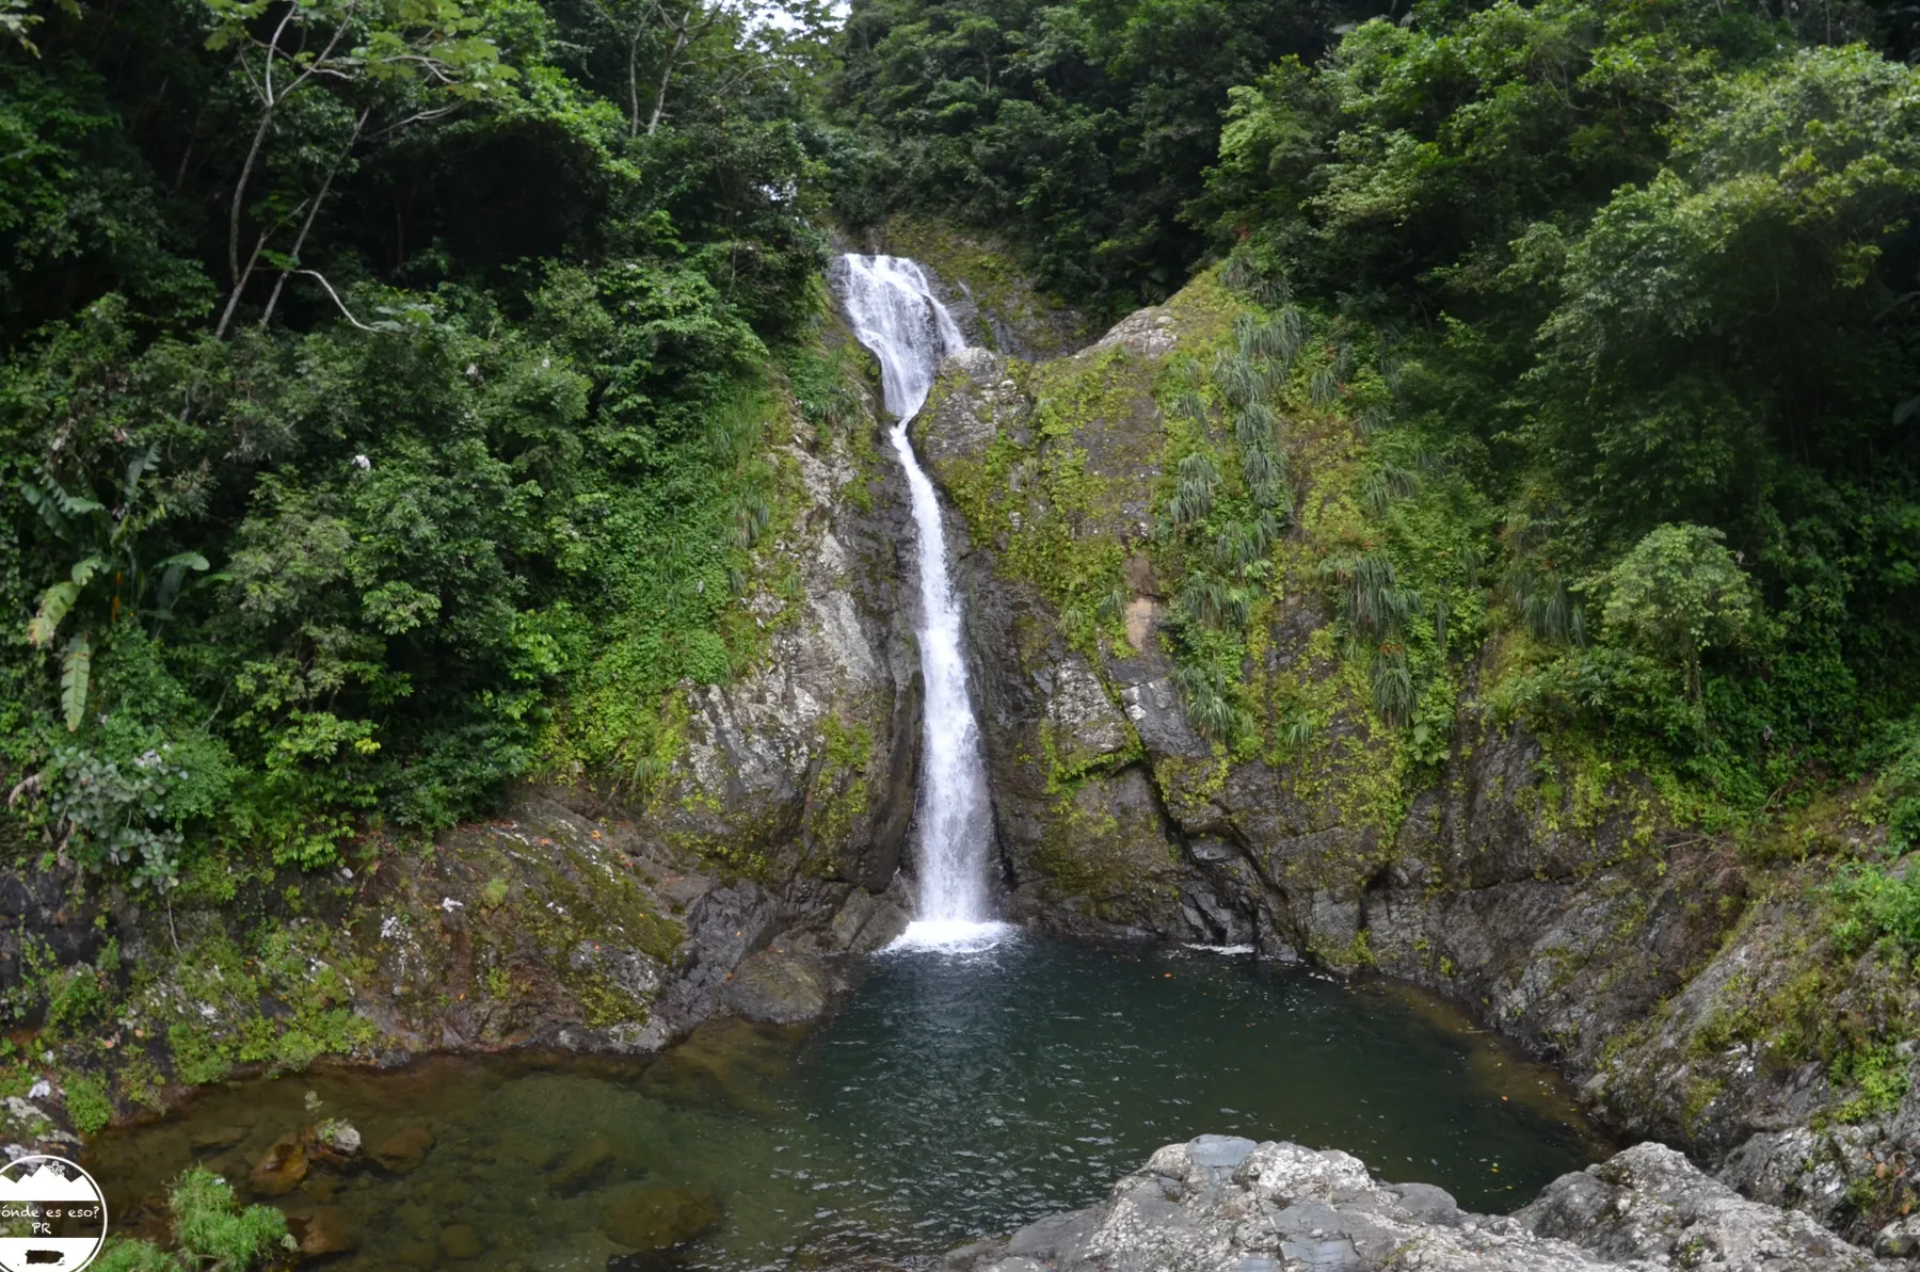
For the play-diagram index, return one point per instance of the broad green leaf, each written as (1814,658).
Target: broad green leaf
(85,568)
(55,603)
(76,670)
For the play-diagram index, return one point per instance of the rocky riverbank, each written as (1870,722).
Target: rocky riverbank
(1220,1204)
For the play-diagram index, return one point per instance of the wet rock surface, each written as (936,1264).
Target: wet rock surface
(1222,1204)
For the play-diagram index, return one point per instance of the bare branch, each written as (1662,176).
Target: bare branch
(347,313)
(313,211)
(240,283)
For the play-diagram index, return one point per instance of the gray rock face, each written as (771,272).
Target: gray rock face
(1659,967)
(1221,1204)
(807,762)
(1651,1203)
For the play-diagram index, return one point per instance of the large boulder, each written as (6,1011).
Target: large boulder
(1222,1204)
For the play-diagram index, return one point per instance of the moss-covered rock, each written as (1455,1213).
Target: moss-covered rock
(988,289)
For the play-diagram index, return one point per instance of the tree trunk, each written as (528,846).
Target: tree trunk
(666,74)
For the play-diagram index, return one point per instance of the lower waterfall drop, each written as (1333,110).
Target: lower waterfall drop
(896,315)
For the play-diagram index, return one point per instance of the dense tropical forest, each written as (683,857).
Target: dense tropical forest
(385,381)
(1621,295)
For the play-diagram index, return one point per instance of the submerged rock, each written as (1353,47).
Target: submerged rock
(583,1166)
(215,1139)
(1221,1204)
(649,1217)
(403,1153)
(324,1230)
(281,1170)
(778,988)
(461,1242)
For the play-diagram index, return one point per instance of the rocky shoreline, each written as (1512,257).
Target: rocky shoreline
(1223,1204)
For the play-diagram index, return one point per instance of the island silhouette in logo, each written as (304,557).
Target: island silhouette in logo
(52,1216)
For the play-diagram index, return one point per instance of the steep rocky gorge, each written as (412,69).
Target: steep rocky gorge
(1563,902)
(1682,977)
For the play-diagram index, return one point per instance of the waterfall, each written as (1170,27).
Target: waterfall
(896,315)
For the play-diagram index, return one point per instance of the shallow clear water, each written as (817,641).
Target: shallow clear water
(953,1096)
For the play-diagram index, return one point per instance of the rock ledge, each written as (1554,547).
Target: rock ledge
(1221,1204)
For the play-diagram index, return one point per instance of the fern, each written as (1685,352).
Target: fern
(1392,686)
(1254,426)
(1199,478)
(1546,610)
(1189,404)
(1369,596)
(1239,380)
(1266,473)
(1208,709)
(751,516)
(1387,483)
(1323,385)
(1296,729)
(1236,548)
(1290,333)
(55,604)
(1259,340)
(1268,527)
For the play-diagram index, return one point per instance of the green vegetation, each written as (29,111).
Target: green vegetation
(384,397)
(1538,259)
(211,1230)
(1082,128)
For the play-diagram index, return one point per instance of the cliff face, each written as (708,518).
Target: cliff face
(1688,979)
(760,839)
(1558,896)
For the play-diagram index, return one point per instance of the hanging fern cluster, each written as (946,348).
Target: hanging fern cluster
(1229,532)
(1197,481)
(1210,710)
(1374,608)
(1534,583)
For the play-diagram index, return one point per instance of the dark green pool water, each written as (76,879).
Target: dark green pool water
(953,1096)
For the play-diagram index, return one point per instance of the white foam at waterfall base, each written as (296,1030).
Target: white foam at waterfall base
(896,315)
(951,937)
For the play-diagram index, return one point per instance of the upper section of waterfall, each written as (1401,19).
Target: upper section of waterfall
(894,313)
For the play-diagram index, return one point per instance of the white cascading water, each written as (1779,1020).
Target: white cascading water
(896,315)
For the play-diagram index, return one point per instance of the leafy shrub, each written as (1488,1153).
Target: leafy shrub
(213,1233)
(1876,908)
(1679,591)
(87,1103)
